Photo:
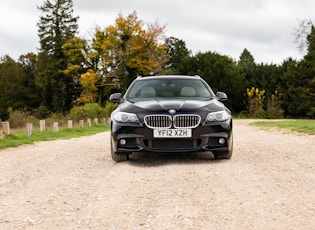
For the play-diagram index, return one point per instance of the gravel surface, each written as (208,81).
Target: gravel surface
(73,184)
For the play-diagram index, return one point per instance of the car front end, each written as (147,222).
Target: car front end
(170,124)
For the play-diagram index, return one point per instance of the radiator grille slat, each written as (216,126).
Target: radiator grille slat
(178,121)
(158,121)
(186,121)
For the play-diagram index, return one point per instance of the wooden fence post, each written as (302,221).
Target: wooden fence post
(55,126)
(29,129)
(70,124)
(96,120)
(89,122)
(81,123)
(6,128)
(106,121)
(42,125)
(1,130)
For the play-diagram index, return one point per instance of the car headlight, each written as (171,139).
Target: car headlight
(126,117)
(218,116)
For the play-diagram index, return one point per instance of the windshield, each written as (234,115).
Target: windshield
(192,89)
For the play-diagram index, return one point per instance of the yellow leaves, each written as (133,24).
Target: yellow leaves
(128,43)
(129,26)
(73,48)
(72,69)
(255,92)
(88,82)
(124,50)
(250,92)
(255,101)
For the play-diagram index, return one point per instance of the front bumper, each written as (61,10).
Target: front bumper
(131,137)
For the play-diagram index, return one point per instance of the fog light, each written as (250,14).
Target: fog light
(122,142)
(221,141)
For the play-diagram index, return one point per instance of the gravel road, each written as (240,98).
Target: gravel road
(73,184)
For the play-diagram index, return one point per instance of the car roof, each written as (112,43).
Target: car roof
(168,77)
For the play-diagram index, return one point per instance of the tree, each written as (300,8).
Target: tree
(177,50)
(248,66)
(77,54)
(222,74)
(291,89)
(307,79)
(88,82)
(17,87)
(126,50)
(302,34)
(56,26)
(298,79)
(267,77)
(28,64)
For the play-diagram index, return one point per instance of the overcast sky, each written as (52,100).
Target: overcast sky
(264,27)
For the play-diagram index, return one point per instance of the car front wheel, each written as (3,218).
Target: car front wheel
(223,155)
(220,155)
(118,157)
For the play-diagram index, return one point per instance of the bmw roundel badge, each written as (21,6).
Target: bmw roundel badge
(172,111)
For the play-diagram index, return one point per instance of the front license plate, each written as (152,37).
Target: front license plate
(171,133)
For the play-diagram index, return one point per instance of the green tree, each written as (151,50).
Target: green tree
(28,64)
(56,27)
(298,79)
(308,66)
(248,66)
(268,78)
(177,50)
(222,74)
(262,76)
(17,87)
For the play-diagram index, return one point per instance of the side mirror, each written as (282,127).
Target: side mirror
(116,97)
(221,96)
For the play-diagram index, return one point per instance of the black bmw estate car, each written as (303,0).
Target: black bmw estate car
(170,114)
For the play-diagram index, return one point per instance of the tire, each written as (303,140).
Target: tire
(118,157)
(223,155)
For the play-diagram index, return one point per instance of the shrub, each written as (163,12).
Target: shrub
(92,110)
(256,99)
(311,113)
(89,110)
(77,113)
(43,111)
(32,119)
(274,109)
(59,117)
(17,118)
(109,108)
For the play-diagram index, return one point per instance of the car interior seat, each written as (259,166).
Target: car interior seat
(188,92)
(147,92)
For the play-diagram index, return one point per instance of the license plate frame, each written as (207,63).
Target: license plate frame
(172,133)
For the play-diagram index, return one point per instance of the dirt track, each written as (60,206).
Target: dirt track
(73,184)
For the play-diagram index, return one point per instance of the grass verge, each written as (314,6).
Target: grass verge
(302,126)
(17,138)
